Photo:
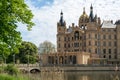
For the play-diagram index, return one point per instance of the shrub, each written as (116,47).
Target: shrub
(9,77)
(11,69)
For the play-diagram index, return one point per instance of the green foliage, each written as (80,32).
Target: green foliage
(28,52)
(46,47)
(11,69)
(9,77)
(11,13)
(1,69)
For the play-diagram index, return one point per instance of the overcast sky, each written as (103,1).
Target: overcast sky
(47,14)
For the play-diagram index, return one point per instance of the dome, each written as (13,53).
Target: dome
(84,17)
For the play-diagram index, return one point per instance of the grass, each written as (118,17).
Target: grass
(10,77)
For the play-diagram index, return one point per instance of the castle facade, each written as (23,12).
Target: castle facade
(91,35)
(90,42)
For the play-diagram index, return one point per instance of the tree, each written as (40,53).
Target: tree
(11,13)
(46,47)
(27,52)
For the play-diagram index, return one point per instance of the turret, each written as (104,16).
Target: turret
(61,21)
(61,25)
(91,16)
(95,18)
(61,29)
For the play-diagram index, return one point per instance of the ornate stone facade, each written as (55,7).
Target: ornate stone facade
(90,36)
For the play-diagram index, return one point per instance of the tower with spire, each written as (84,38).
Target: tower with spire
(61,21)
(61,29)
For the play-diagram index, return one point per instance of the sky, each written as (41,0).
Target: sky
(47,14)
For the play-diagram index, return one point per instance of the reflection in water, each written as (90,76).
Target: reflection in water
(84,77)
(92,76)
(52,74)
(96,75)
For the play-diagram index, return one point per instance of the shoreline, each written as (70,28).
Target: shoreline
(77,68)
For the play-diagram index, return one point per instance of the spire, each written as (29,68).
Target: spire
(91,7)
(91,14)
(61,12)
(84,10)
(61,19)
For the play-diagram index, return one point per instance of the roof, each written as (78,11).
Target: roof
(108,24)
(117,22)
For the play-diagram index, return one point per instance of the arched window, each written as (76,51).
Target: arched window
(76,35)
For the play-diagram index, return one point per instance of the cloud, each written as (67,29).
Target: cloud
(47,16)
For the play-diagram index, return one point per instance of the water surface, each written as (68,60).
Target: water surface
(82,75)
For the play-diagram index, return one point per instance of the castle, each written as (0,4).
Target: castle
(91,42)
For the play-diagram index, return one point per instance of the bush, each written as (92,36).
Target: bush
(9,77)
(11,69)
(1,69)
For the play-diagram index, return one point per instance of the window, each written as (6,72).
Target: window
(84,43)
(109,36)
(115,44)
(76,35)
(95,43)
(104,36)
(68,45)
(76,44)
(115,37)
(80,44)
(72,38)
(68,38)
(109,43)
(109,51)
(76,50)
(58,38)
(104,43)
(109,56)
(59,45)
(115,51)
(89,43)
(109,30)
(90,50)
(104,51)
(96,50)
(103,30)
(72,44)
(84,37)
(115,56)
(95,36)
(104,56)
(98,36)
(65,45)
(80,37)
(64,38)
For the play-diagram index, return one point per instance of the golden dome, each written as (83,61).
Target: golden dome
(84,15)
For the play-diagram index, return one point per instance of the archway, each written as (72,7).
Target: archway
(74,59)
(34,71)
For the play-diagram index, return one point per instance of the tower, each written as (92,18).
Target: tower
(61,28)
(83,18)
(91,17)
(117,23)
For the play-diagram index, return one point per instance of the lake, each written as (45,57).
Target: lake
(81,75)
